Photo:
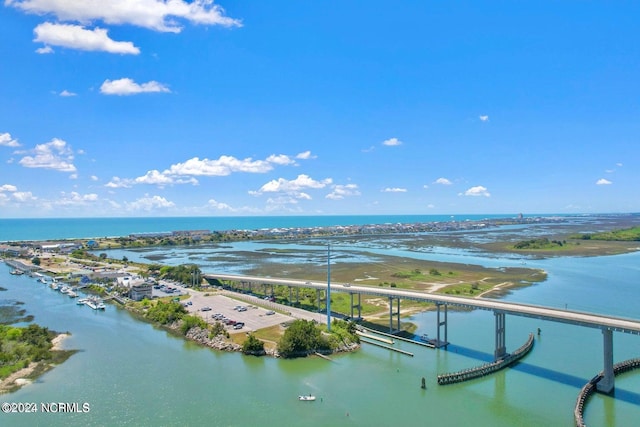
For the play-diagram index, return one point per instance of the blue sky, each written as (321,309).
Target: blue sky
(178,108)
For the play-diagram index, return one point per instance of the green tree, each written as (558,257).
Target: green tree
(253,345)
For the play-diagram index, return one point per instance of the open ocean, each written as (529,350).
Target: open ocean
(77,228)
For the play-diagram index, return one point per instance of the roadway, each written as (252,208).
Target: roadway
(593,320)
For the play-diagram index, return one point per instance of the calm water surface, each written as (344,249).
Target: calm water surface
(133,374)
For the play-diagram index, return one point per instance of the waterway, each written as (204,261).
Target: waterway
(133,374)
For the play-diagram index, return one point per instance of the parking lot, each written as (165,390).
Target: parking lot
(252,316)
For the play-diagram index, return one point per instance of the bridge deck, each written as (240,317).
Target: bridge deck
(593,320)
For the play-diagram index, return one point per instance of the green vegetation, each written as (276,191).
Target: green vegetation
(540,243)
(623,235)
(304,337)
(185,273)
(252,345)
(21,346)
(166,313)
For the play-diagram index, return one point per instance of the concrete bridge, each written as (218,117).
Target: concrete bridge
(607,324)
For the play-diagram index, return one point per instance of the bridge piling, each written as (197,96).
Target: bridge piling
(606,384)
(501,348)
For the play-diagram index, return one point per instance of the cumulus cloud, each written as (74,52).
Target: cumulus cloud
(443,181)
(23,196)
(305,155)
(341,191)
(603,181)
(223,166)
(7,141)
(8,187)
(155,177)
(477,191)
(149,203)
(292,187)
(75,199)
(158,15)
(55,154)
(66,93)
(78,37)
(394,190)
(44,50)
(219,206)
(484,118)
(126,86)
(185,172)
(280,159)
(117,182)
(392,142)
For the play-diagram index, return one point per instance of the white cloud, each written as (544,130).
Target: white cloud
(7,141)
(305,155)
(8,187)
(117,182)
(75,199)
(55,155)
(394,190)
(223,166)
(443,181)
(66,93)
(484,118)
(44,50)
(603,181)
(158,15)
(392,142)
(282,185)
(341,191)
(126,86)
(150,203)
(220,206)
(78,37)
(477,191)
(280,159)
(93,178)
(23,196)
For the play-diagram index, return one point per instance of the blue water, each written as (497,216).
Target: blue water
(77,228)
(134,374)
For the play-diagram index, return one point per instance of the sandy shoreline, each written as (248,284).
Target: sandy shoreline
(21,378)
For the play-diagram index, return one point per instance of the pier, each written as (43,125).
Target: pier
(488,368)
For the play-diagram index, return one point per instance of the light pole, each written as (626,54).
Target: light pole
(329,287)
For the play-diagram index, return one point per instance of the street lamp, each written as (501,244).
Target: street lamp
(329,287)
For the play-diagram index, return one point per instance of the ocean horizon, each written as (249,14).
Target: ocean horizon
(29,229)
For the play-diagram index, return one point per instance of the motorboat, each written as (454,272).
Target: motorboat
(307,398)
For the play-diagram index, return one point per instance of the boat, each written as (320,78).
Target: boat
(16,272)
(307,398)
(54,286)
(81,301)
(72,294)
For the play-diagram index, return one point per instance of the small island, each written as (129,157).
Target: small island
(26,353)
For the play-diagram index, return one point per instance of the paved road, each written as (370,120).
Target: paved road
(592,320)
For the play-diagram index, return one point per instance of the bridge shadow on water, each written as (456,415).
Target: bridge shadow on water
(545,373)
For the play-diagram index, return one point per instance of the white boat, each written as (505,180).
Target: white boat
(54,286)
(72,294)
(307,398)
(81,301)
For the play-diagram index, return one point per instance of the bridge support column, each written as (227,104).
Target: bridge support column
(441,324)
(298,296)
(606,384)
(391,313)
(355,306)
(501,349)
(290,297)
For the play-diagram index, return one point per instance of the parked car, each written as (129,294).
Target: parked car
(270,312)
(206,309)
(238,325)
